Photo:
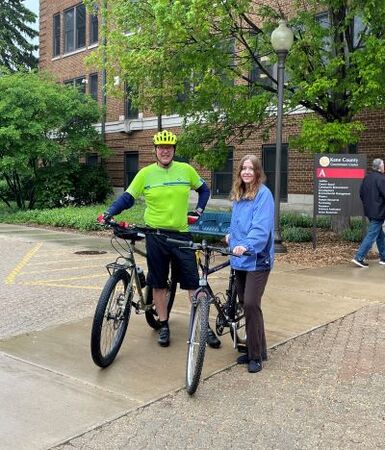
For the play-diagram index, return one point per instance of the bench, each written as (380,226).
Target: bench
(212,224)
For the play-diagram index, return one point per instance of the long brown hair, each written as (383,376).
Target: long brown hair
(241,190)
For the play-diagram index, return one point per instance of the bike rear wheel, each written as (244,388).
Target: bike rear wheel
(239,334)
(196,346)
(152,317)
(111,319)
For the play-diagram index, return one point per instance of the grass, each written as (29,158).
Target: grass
(79,218)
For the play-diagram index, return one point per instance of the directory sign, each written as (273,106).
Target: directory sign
(337,181)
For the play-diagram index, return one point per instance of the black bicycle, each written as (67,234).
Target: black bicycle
(230,315)
(125,289)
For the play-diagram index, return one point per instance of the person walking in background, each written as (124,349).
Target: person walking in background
(372,193)
(166,186)
(252,231)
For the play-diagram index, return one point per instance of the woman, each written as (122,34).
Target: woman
(252,231)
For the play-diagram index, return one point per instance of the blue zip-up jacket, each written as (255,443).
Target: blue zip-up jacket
(252,226)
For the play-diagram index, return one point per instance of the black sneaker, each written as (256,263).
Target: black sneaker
(254,366)
(164,337)
(360,262)
(212,340)
(244,359)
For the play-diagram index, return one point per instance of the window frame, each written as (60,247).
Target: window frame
(74,30)
(56,35)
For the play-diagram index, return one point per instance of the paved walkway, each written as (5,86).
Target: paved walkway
(326,367)
(322,390)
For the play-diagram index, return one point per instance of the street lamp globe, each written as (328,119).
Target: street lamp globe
(282,37)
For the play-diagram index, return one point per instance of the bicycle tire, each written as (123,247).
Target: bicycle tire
(111,320)
(151,315)
(196,346)
(240,332)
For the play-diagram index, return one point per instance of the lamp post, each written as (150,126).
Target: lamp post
(281,40)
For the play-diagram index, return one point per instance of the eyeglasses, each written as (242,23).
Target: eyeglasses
(244,169)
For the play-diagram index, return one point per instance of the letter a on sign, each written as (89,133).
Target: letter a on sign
(321,173)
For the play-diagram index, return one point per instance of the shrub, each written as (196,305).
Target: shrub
(91,185)
(290,219)
(296,234)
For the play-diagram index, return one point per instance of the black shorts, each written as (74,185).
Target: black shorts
(161,253)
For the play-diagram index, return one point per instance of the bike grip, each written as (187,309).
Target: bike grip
(180,242)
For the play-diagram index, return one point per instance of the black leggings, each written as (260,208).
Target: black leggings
(250,287)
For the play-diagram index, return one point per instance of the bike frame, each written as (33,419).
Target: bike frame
(129,264)
(227,317)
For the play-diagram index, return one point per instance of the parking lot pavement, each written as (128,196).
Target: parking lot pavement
(48,294)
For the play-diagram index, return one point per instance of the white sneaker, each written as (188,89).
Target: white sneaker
(381,261)
(361,262)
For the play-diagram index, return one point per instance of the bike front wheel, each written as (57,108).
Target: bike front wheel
(196,346)
(111,318)
(152,317)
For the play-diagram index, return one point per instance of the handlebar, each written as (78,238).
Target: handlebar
(205,247)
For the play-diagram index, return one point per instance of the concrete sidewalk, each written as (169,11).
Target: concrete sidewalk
(321,323)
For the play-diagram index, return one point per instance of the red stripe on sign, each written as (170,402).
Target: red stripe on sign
(339,173)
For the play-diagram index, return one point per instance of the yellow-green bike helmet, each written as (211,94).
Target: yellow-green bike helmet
(164,138)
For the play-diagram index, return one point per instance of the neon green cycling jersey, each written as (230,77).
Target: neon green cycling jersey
(166,193)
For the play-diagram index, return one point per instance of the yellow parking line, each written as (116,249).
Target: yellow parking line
(68,286)
(83,277)
(12,276)
(61,269)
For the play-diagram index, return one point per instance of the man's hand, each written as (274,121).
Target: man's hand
(105,217)
(193,217)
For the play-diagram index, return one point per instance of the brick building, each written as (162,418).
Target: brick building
(68,34)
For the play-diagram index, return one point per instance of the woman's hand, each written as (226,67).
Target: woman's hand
(239,250)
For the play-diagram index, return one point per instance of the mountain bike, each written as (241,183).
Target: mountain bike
(230,315)
(125,289)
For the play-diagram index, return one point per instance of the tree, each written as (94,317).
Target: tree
(42,124)
(16,49)
(207,54)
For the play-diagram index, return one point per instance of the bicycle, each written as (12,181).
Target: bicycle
(230,314)
(125,288)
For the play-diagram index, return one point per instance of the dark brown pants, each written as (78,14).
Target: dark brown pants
(250,287)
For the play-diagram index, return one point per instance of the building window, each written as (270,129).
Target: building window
(92,160)
(79,83)
(131,167)
(93,86)
(222,179)
(129,111)
(94,29)
(268,161)
(56,35)
(74,28)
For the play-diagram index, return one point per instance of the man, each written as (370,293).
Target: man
(372,193)
(166,186)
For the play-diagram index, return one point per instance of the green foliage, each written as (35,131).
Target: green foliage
(42,124)
(195,58)
(296,234)
(293,219)
(16,49)
(354,232)
(352,235)
(71,184)
(91,185)
(320,136)
(79,218)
